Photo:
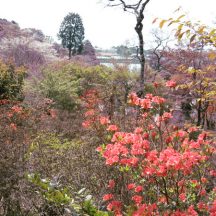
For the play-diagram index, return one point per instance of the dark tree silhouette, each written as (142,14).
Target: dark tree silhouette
(71,33)
(136,8)
(88,49)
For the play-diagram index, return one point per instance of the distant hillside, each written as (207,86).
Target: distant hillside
(12,37)
(30,47)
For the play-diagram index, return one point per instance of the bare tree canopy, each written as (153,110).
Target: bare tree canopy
(134,5)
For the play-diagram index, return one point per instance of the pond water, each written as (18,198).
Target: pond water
(132,67)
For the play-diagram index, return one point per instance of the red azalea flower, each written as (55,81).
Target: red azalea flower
(111,184)
(112,128)
(137,199)
(13,126)
(104,120)
(171,84)
(131,186)
(138,189)
(107,197)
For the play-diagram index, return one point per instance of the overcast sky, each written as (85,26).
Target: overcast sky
(104,27)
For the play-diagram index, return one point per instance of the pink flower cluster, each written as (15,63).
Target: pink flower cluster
(167,168)
(92,115)
(171,84)
(166,158)
(147,102)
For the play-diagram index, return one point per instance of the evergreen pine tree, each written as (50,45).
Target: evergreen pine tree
(71,33)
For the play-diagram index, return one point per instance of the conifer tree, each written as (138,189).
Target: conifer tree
(71,33)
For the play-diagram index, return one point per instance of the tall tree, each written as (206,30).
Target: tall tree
(71,33)
(136,8)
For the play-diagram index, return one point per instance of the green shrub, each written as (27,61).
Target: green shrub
(11,81)
(65,83)
(57,199)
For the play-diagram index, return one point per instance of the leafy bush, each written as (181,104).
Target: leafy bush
(66,83)
(59,201)
(11,81)
(18,125)
(15,132)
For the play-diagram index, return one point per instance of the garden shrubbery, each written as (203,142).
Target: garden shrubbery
(11,81)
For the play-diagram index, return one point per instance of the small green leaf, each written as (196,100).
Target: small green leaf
(180,17)
(192,38)
(180,36)
(162,23)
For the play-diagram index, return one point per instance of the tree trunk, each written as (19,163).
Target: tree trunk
(70,51)
(139,28)
(138,9)
(199,113)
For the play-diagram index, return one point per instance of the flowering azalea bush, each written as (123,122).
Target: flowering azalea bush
(169,170)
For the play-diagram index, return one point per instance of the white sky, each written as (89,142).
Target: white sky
(104,27)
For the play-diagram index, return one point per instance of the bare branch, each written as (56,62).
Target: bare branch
(134,7)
